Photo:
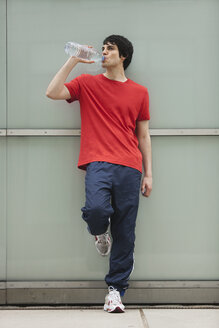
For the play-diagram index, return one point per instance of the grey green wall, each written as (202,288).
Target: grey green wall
(176,51)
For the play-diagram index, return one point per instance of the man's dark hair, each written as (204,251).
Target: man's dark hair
(124,45)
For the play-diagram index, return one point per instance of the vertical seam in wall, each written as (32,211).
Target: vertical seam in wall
(6,162)
(143,318)
(6,63)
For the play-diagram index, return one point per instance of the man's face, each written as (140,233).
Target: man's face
(111,55)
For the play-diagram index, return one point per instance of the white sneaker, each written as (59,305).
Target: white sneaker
(103,244)
(113,301)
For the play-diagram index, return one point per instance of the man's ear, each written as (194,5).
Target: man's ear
(123,58)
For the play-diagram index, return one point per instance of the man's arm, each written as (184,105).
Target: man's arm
(56,89)
(144,140)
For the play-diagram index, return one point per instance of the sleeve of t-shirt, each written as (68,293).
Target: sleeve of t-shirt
(144,113)
(74,88)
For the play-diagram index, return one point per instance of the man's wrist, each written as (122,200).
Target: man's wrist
(148,175)
(73,60)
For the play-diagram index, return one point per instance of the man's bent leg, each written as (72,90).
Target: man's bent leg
(97,209)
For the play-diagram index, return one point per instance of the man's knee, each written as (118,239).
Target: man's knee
(99,212)
(97,218)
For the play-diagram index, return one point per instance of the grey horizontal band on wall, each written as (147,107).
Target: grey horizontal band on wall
(93,292)
(136,284)
(77,132)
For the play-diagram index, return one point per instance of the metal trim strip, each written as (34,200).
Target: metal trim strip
(2,132)
(77,132)
(43,132)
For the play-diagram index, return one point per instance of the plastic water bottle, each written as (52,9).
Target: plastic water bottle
(83,52)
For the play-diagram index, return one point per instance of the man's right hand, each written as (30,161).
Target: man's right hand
(80,60)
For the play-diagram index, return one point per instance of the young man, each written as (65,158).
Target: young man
(115,140)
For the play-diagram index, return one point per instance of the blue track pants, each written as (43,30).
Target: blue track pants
(112,191)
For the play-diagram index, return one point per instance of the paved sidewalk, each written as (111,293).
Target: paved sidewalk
(70,317)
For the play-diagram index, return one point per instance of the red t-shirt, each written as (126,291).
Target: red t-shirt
(109,110)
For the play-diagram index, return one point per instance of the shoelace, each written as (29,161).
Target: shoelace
(114,294)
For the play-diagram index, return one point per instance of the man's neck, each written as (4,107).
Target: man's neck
(115,74)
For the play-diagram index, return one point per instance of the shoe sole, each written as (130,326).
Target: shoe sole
(116,310)
(103,254)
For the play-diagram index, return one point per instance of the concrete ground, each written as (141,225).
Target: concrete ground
(90,317)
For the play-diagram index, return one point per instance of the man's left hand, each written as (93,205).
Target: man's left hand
(146,186)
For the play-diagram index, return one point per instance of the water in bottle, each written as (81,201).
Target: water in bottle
(83,52)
